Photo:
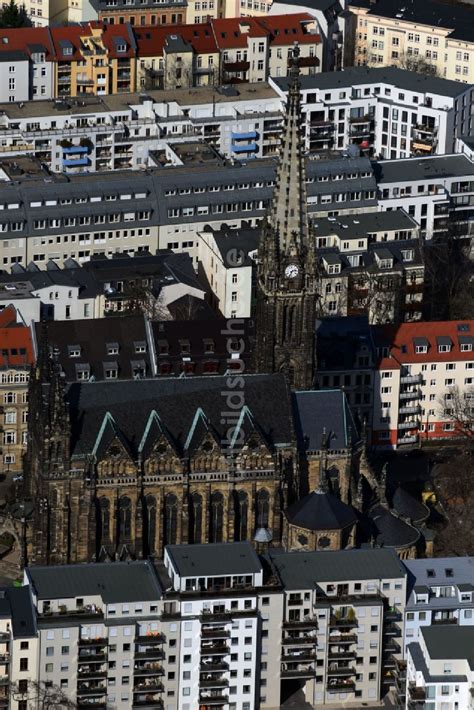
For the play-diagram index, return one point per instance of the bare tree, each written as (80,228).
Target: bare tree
(453,484)
(142,300)
(42,696)
(457,407)
(418,64)
(449,275)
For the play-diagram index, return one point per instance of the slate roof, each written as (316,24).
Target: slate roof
(390,531)
(176,401)
(302,570)
(94,337)
(417,169)
(114,583)
(321,511)
(16,604)
(443,571)
(458,16)
(357,226)
(408,506)
(353,76)
(214,559)
(450,642)
(318,411)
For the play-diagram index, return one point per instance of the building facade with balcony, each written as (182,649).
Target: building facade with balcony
(440,668)
(342,624)
(386,112)
(423,382)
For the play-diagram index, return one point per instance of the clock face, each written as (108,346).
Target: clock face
(291,271)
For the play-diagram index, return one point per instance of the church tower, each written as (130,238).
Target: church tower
(287,264)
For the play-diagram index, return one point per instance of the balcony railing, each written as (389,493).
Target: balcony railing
(349,638)
(300,624)
(91,690)
(299,640)
(414,424)
(151,686)
(99,657)
(92,642)
(218,699)
(151,653)
(341,671)
(307,672)
(342,622)
(214,666)
(214,649)
(415,409)
(416,692)
(236,66)
(341,655)
(341,687)
(150,638)
(215,633)
(412,394)
(411,379)
(217,682)
(447,622)
(302,655)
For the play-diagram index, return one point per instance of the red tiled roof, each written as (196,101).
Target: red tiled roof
(112,33)
(151,40)
(16,344)
(287,29)
(26,37)
(71,34)
(231,33)
(401,343)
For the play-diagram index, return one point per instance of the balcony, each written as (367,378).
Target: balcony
(91,657)
(226,614)
(155,654)
(91,704)
(89,673)
(342,622)
(341,655)
(148,669)
(214,666)
(149,639)
(414,409)
(241,66)
(303,655)
(411,379)
(416,692)
(149,703)
(341,671)
(91,690)
(215,633)
(214,649)
(150,686)
(217,699)
(298,640)
(341,686)
(288,673)
(366,118)
(391,647)
(349,638)
(414,424)
(303,624)
(90,645)
(452,620)
(393,631)
(210,682)
(404,440)
(411,394)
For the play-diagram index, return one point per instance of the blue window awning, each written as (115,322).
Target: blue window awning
(250,135)
(75,162)
(75,149)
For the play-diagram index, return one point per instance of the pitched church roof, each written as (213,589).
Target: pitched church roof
(407,505)
(176,401)
(390,531)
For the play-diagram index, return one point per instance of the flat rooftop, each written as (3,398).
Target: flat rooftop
(417,169)
(214,560)
(359,225)
(401,78)
(120,102)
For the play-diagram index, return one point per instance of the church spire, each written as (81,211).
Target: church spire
(288,214)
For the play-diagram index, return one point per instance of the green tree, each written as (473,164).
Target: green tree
(13,15)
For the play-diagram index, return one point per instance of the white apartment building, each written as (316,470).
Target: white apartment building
(440,592)
(440,669)
(424,374)
(134,131)
(386,112)
(226,258)
(430,190)
(229,648)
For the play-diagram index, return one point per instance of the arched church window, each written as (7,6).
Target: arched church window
(242,515)
(195,519)
(151,522)
(217,517)
(171,520)
(263,508)
(104,505)
(125,519)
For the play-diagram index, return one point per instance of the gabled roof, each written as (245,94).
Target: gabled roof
(323,411)
(28,39)
(151,41)
(154,431)
(16,343)
(214,559)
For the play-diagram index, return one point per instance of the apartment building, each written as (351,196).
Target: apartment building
(370,263)
(342,624)
(440,592)
(28,67)
(440,668)
(157,209)
(346,357)
(17,356)
(386,33)
(423,382)
(104,632)
(145,12)
(387,112)
(230,643)
(43,13)
(431,190)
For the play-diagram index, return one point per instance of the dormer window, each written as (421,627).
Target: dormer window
(163,347)
(209,346)
(430,573)
(74,350)
(140,346)
(421,345)
(112,348)
(121,47)
(185,346)
(419,349)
